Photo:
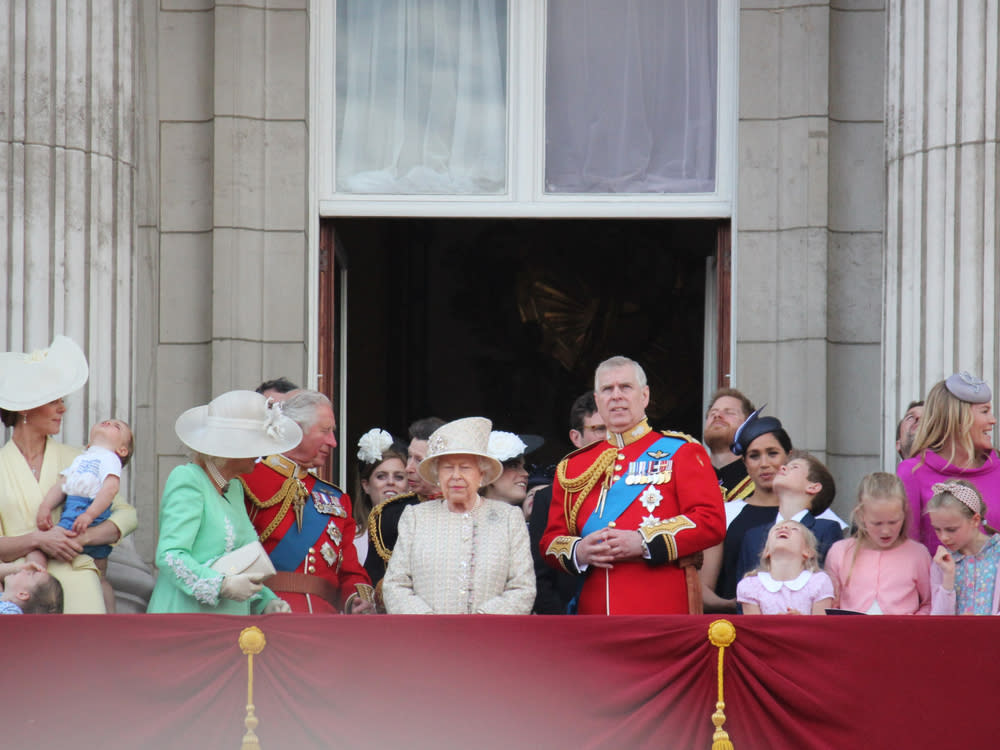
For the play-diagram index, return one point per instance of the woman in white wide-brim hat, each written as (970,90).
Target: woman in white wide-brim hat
(32,388)
(203,515)
(461,554)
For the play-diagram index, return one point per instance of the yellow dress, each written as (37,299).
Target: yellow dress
(21,495)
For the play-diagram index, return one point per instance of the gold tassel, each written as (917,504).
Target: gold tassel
(721,633)
(251,642)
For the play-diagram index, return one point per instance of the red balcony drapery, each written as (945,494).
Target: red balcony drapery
(180,681)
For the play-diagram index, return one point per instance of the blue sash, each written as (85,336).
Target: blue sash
(289,553)
(621,494)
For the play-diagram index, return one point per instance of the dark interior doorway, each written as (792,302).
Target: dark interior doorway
(508,318)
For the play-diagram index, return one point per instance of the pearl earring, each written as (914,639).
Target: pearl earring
(26,419)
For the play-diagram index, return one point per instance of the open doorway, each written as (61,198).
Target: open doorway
(507,318)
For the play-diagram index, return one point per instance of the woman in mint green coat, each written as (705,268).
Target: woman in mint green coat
(202,513)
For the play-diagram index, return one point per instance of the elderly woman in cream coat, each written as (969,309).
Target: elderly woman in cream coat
(461,554)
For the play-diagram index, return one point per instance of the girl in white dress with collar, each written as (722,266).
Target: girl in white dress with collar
(788,580)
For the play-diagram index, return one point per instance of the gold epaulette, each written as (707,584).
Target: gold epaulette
(284,466)
(292,492)
(681,435)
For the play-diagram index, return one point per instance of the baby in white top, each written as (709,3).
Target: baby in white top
(91,483)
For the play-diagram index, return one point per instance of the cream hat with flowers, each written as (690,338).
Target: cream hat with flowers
(463,437)
(238,424)
(30,380)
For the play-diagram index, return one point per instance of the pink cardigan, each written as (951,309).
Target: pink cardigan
(899,576)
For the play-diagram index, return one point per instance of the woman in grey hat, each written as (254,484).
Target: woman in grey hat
(461,554)
(954,441)
(32,388)
(203,514)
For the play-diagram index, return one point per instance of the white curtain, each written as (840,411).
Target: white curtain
(631,96)
(421,96)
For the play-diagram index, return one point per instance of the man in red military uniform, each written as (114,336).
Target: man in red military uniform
(626,508)
(304,523)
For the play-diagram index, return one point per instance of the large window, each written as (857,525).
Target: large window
(525,107)
(421,96)
(630,96)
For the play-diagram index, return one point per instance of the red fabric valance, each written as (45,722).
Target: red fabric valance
(180,681)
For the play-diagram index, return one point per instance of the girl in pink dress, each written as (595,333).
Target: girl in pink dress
(788,580)
(880,570)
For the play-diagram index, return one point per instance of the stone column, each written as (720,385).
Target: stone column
(941,267)
(782,241)
(260,193)
(809,225)
(67,167)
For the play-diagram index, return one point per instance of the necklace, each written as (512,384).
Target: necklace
(215,475)
(34,462)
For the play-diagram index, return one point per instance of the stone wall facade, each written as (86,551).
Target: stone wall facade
(159,208)
(809,219)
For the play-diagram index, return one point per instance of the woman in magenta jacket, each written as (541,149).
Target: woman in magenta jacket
(954,441)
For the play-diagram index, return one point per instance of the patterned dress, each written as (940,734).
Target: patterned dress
(975,579)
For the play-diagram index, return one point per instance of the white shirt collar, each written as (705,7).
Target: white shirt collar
(793,585)
(797,517)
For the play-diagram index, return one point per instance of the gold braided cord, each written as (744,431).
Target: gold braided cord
(721,633)
(581,485)
(291,489)
(375,533)
(375,526)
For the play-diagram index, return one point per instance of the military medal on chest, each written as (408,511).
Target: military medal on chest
(328,504)
(650,499)
(329,554)
(656,471)
(334,533)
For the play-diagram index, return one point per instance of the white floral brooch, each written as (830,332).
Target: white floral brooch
(272,419)
(373,444)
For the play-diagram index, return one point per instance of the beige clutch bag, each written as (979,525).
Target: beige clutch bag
(250,558)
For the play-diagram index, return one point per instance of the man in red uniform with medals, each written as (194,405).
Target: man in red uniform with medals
(626,508)
(304,523)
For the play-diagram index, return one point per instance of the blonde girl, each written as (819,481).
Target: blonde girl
(964,578)
(788,580)
(880,570)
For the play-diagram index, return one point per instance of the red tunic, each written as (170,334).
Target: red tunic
(331,556)
(683,514)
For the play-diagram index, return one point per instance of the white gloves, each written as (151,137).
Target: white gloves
(241,586)
(277,606)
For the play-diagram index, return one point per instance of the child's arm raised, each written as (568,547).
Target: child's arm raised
(54,497)
(102,501)
(942,573)
(946,563)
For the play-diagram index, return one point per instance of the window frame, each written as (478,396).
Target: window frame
(525,196)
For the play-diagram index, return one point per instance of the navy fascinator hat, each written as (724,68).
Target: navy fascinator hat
(754,426)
